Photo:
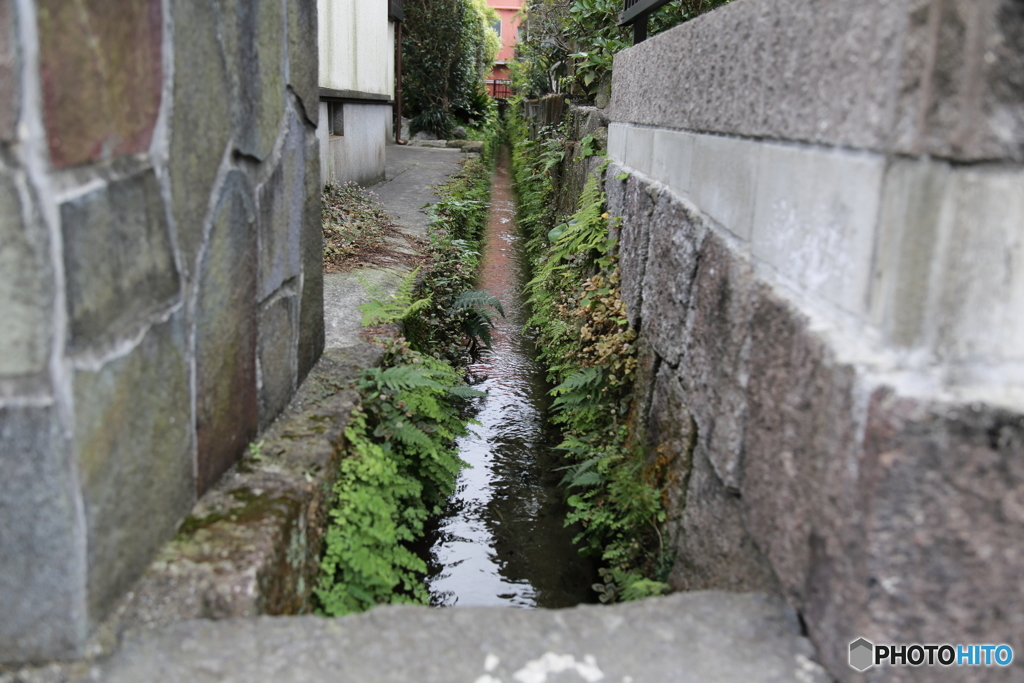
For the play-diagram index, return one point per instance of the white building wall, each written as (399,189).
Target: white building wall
(358,155)
(356,43)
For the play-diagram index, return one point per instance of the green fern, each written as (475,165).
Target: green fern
(479,299)
(399,378)
(476,321)
(401,466)
(398,306)
(583,474)
(582,388)
(465,392)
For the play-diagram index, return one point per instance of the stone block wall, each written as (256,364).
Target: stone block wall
(821,246)
(160,279)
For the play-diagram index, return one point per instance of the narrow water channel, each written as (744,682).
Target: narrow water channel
(502,539)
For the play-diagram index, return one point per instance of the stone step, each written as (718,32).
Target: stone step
(705,637)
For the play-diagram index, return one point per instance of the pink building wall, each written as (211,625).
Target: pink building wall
(509,12)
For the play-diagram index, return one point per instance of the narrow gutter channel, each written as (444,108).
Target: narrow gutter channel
(502,539)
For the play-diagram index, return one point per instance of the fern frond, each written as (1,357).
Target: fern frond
(581,379)
(398,306)
(400,378)
(478,299)
(462,391)
(583,474)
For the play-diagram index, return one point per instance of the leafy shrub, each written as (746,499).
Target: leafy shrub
(448,46)
(435,121)
(570,44)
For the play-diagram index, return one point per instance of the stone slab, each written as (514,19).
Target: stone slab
(911,204)
(814,217)
(946,535)
(800,496)
(252,542)
(10,81)
(254,42)
(303,62)
(432,144)
(102,91)
(344,293)
(617,140)
(201,124)
(278,363)
(639,147)
(809,212)
(672,158)
(970,101)
(226,331)
(281,204)
(118,259)
(724,181)
(629,200)
(676,231)
(981,286)
(42,567)
(940,78)
(26,291)
(715,366)
(311,306)
(134,451)
(945,274)
(707,637)
(919,252)
(714,549)
(585,120)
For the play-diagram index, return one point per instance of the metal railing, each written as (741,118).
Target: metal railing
(635,12)
(499,90)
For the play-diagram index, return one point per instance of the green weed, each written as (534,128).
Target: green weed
(400,305)
(579,319)
(400,468)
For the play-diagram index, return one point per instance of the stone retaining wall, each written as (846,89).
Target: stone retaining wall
(160,280)
(821,246)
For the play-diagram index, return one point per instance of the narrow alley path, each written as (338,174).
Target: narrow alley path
(411,173)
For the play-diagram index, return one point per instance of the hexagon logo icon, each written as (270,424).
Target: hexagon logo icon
(862,654)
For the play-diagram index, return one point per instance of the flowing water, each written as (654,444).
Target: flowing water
(502,539)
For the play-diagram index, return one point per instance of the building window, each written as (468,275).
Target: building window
(335,118)
(497,27)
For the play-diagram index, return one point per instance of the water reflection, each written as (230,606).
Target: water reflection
(502,540)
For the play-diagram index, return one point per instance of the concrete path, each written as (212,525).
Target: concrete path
(410,175)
